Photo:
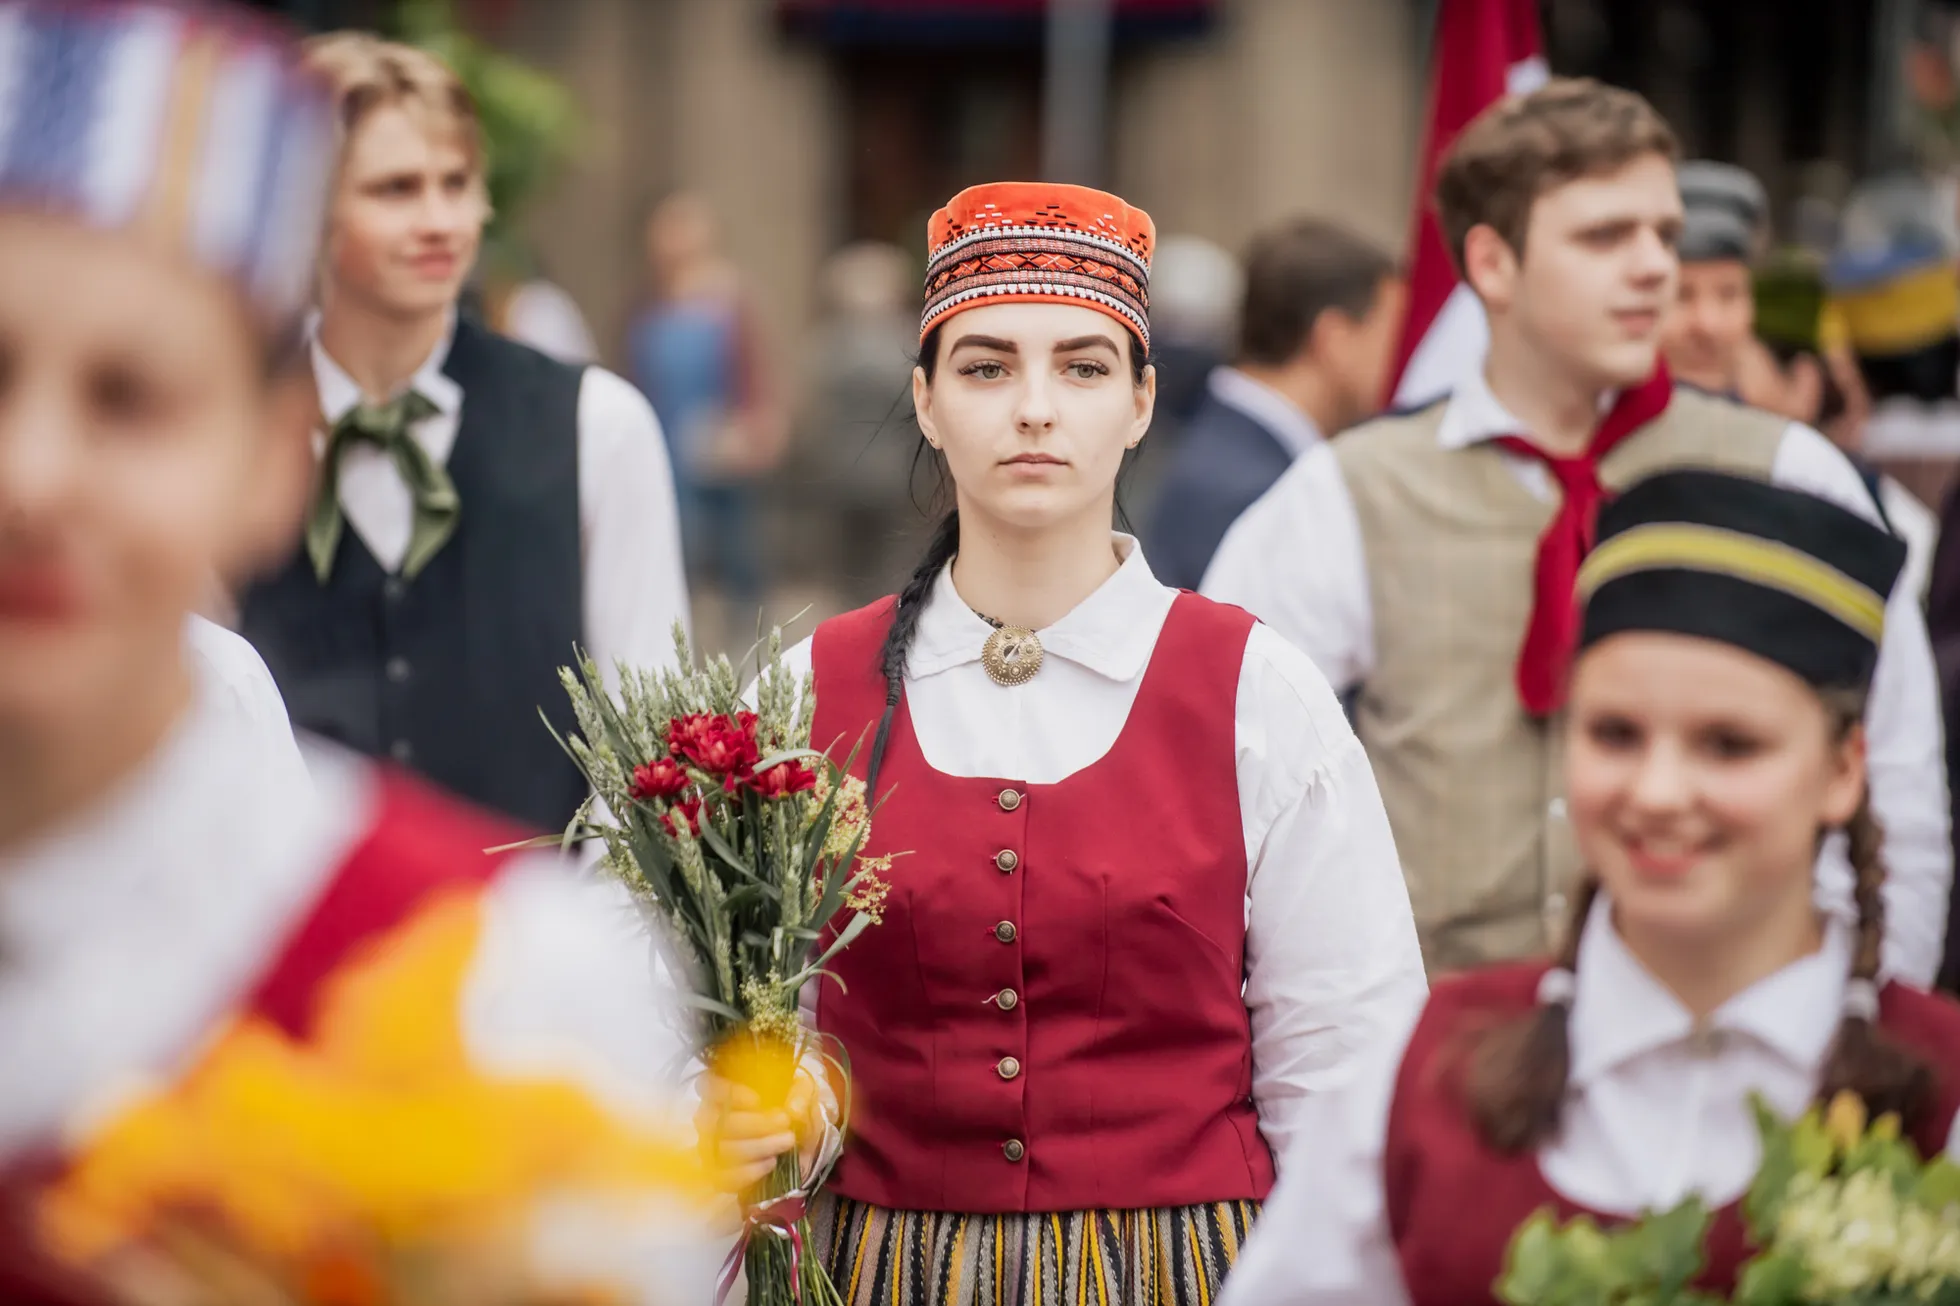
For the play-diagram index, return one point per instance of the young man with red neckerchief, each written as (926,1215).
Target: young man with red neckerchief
(1426,560)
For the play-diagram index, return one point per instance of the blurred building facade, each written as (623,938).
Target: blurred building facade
(810,125)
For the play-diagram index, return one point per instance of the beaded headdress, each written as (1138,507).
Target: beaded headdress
(1042,242)
(188,124)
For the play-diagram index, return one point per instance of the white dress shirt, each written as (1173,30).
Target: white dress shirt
(1282,418)
(1656,1111)
(1296,560)
(230,671)
(629,528)
(1331,952)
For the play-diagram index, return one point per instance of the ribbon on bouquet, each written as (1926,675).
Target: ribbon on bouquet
(779,1217)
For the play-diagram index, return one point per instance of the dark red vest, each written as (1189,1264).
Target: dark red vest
(1453,1203)
(1110,906)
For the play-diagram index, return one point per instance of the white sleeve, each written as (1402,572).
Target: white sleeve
(1332,959)
(1323,1237)
(231,671)
(1906,756)
(570,983)
(629,528)
(1294,559)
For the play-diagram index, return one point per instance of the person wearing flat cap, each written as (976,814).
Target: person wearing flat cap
(1729,632)
(1710,324)
(1149,905)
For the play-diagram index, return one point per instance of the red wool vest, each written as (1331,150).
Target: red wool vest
(1051,1016)
(1453,1203)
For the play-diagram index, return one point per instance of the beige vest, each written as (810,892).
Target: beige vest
(1471,782)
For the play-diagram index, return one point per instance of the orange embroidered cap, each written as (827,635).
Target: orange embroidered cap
(1041,242)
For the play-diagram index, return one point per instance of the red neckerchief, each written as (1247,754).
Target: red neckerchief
(1554,629)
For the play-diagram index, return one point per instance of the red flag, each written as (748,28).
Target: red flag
(1484,50)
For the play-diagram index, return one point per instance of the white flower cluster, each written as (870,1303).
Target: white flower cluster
(1859,1235)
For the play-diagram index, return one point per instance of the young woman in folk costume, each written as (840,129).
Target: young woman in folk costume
(1149,904)
(1729,634)
(168,892)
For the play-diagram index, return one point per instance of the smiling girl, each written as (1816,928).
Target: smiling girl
(1149,904)
(1713,739)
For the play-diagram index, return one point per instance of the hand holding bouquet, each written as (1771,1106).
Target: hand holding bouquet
(745,840)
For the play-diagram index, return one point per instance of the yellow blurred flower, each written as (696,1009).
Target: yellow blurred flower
(376,1132)
(1844,1120)
(760,1062)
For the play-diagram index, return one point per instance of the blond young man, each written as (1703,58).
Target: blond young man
(1425,560)
(481,509)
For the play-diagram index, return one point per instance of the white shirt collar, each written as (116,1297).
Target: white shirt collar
(339,392)
(1475,414)
(1112,632)
(1295,431)
(1620,1011)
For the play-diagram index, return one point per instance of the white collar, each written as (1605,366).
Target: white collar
(339,392)
(1475,414)
(1620,1011)
(1282,418)
(1111,632)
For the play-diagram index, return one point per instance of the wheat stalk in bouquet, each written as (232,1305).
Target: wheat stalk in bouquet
(717,811)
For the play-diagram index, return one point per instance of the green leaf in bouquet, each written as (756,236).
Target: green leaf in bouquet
(1788,1151)
(1938,1185)
(1548,1264)
(1665,1250)
(1775,1278)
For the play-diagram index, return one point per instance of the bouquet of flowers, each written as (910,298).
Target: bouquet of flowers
(369,1164)
(1842,1211)
(720,815)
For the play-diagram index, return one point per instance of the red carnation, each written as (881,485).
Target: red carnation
(689,810)
(783,779)
(663,777)
(720,745)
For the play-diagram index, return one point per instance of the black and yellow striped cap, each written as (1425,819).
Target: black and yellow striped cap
(1776,572)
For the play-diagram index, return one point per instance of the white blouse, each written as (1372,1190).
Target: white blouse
(1656,1110)
(1332,961)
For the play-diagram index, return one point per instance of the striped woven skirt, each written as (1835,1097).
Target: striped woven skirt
(1176,1256)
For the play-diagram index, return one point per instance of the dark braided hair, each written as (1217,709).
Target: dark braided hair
(1863,1059)
(940,551)
(1515,1084)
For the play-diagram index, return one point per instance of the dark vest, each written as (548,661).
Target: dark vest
(446,673)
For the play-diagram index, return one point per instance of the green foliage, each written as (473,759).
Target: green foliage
(1842,1211)
(531,121)
(1650,1262)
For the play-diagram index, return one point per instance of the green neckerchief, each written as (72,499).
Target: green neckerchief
(385,426)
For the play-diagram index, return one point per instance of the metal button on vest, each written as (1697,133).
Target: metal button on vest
(1007,999)
(394,589)
(1006,859)
(1009,800)
(1008,1067)
(402,751)
(1013,1149)
(1004,931)
(398,670)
